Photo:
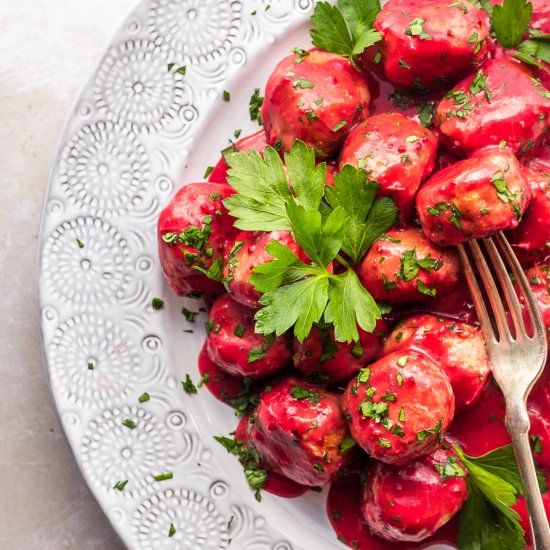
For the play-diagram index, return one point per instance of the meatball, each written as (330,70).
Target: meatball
(473,198)
(539,279)
(404,266)
(322,359)
(298,430)
(395,151)
(234,347)
(531,239)
(410,503)
(455,304)
(247,253)
(541,162)
(193,232)
(429,43)
(457,348)
(316,97)
(254,142)
(399,407)
(500,103)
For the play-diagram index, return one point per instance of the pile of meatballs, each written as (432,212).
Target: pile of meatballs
(483,166)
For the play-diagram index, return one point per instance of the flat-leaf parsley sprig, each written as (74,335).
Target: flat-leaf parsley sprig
(510,21)
(327,223)
(346,29)
(487,519)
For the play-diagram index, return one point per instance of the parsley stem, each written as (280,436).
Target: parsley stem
(342,261)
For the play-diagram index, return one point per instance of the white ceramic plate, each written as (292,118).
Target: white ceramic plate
(136,133)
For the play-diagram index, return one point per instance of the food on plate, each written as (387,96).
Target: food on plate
(193,232)
(539,279)
(428,45)
(316,97)
(501,103)
(473,198)
(530,238)
(395,151)
(253,142)
(324,360)
(411,502)
(234,346)
(404,266)
(457,348)
(340,327)
(399,407)
(300,431)
(248,252)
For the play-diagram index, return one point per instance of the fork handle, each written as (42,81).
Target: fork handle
(518,425)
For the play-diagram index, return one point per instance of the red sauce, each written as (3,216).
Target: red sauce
(276,484)
(480,428)
(344,512)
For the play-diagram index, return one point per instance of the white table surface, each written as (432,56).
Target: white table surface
(47,51)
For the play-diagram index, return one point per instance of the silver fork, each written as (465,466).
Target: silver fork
(517,360)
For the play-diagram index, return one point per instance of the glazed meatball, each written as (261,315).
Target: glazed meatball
(399,407)
(316,97)
(247,253)
(428,44)
(322,359)
(541,162)
(473,198)
(532,237)
(539,279)
(457,348)
(455,304)
(298,430)
(254,142)
(501,103)
(232,344)
(395,151)
(404,266)
(410,503)
(193,232)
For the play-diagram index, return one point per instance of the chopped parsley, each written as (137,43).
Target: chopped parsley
(157,303)
(416,28)
(299,392)
(129,423)
(188,385)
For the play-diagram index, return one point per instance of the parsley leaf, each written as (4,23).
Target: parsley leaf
(301,303)
(510,21)
(330,31)
(534,50)
(366,218)
(271,275)
(262,190)
(483,526)
(350,304)
(359,15)
(346,29)
(308,181)
(321,241)
(487,520)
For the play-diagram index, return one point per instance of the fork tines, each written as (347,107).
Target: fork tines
(502,260)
